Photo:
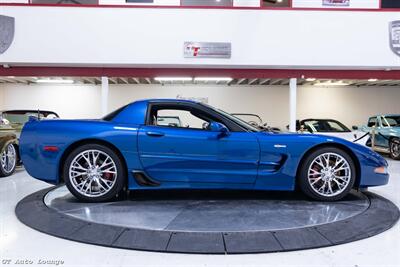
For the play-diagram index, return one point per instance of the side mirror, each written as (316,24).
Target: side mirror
(219,128)
(354,127)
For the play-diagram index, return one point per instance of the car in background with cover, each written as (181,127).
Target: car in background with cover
(211,149)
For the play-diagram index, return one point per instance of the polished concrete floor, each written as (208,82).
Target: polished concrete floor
(210,211)
(20,243)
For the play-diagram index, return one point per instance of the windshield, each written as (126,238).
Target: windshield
(238,121)
(324,126)
(391,121)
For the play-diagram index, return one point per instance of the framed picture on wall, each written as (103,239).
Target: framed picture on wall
(336,2)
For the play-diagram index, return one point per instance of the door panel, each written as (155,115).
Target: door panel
(186,155)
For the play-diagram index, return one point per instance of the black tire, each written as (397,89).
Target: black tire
(115,189)
(4,171)
(394,148)
(305,183)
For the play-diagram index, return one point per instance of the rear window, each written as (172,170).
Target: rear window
(112,115)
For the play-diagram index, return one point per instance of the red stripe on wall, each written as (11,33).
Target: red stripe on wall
(196,72)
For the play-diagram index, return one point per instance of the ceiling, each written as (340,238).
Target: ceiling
(236,82)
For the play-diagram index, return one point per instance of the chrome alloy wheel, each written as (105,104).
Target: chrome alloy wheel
(8,159)
(93,173)
(395,148)
(329,174)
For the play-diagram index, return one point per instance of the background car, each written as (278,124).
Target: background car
(8,153)
(97,159)
(256,121)
(332,128)
(17,118)
(387,137)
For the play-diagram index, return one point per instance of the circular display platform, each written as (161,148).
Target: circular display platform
(209,221)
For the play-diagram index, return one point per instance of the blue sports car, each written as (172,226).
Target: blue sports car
(209,149)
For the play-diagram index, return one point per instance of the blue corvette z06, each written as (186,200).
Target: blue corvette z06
(208,149)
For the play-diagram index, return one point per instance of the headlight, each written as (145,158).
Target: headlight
(381,170)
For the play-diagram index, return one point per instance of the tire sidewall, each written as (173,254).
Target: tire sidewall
(3,173)
(118,185)
(391,142)
(303,174)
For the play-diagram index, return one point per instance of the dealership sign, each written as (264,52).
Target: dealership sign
(336,2)
(394,29)
(207,50)
(7,28)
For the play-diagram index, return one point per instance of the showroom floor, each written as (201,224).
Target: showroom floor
(19,242)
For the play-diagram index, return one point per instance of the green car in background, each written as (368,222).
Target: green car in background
(16,119)
(11,124)
(8,152)
(387,134)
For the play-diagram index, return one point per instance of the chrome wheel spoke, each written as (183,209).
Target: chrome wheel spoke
(93,173)
(329,174)
(8,159)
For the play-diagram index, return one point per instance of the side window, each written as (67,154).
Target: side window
(179,117)
(372,122)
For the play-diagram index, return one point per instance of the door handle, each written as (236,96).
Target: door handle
(155,134)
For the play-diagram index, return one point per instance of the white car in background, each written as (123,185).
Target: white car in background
(332,128)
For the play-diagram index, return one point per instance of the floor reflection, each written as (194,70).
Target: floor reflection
(199,210)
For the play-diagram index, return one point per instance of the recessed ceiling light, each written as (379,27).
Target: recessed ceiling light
(173,79)
(330,83)
(310,79)
(372,80)
(61,81)
(213,79)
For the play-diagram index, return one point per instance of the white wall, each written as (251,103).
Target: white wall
(69,101)
(351,105)
(149,37)
(156,3)
(353,4)
(271,103)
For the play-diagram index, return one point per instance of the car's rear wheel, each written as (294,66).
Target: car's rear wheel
(94,173)
(394,146)
(8,161)
(327,174)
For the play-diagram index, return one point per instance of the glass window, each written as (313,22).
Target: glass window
(206,3)
(372,122)
(334,126)
(66,2)
(390,4)
(276,3)
(391,121)
(178,118)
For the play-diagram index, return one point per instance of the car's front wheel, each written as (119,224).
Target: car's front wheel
(327,174)
(94,173)
(8,161)
(394,147)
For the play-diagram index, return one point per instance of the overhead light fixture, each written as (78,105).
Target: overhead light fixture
(311,79)
(53,81)
(330,83)
(213,79)
(372,80)
(173,79)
